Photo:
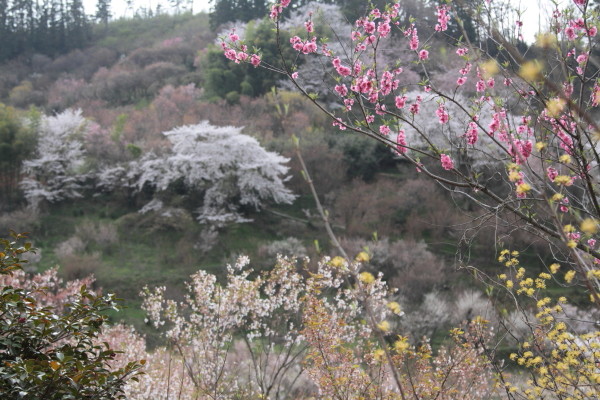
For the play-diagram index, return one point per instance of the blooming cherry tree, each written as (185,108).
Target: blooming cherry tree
(220,162)
(57,171)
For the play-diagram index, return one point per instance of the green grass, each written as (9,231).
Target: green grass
(143,256)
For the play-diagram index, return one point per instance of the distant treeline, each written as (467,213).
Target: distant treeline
(246,10)
(47,27)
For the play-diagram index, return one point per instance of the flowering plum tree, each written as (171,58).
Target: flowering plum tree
(531,123)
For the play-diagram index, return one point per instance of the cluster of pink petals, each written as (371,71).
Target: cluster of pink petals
(520,150)
(239,56)
(400,101)
(401,142)
(305,47)
(384,130)
(443,18)
(416,106)
(575,27)
(388,83)
(309,26)
(414,37)
(342,90)
(472,133)
(340,124)
(447,162)
(277,9)
(442,114)
(341,69)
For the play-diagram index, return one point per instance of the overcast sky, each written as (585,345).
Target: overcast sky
(533,10)
(119,7)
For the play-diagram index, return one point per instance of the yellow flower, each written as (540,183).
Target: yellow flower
(523,188)
(569,276)
(540,146)
(394,307)
(362,257)
(530,71)
(589,226)
(509,284)
(384,326)
(565,159)
(568,228)
(337,262)
(557,197)
(563,180)
(545,40)
(401,345)
(489,68)
(555,106)
(378,354)
(554,268)
(571,244)
(514,176)
(366,277)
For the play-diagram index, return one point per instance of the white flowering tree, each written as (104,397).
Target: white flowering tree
(56,172)
(229,168)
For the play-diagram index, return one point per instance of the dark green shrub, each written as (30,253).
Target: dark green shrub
(45,354)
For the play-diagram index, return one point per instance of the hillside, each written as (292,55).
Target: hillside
(139,78)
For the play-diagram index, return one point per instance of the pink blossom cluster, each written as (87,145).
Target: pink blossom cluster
(414,37)
(401,142)
(442,114)
(472,133)
(576,27)
(305,47)
(443,18)
(241,54)
(340,68)
(416,106)
(447,162)
(277,9)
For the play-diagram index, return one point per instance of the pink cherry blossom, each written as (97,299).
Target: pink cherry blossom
(309,26)
(472,133)
(442,115)
(342,90)
(255,60)
(443,18)
(400,101)
(447,162)
(401,142)
(383,29)
(384,130)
